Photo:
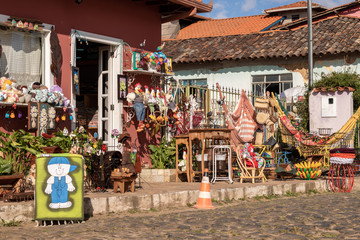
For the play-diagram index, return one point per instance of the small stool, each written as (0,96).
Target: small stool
(124,183)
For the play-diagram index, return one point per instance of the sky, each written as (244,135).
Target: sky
(239,8)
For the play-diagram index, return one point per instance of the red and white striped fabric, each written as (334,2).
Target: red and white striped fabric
(245,124)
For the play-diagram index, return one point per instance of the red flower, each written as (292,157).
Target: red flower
(103,148)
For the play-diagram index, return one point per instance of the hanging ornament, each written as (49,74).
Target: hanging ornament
(71,117)
(19,114)
(57,119)
(63,117)
(12,114)
(65,131)
(95,135)
(7,115)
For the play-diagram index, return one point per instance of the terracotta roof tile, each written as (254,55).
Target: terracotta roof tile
(333,89)
(300,4)
(320,16)
(228,26)
(331,36)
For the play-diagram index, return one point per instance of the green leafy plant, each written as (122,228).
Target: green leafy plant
(11,223)
(17,148)
(163,155)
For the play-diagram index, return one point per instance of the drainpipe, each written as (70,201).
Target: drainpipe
(310,48)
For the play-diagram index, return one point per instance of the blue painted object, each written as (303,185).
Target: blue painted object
(283,158)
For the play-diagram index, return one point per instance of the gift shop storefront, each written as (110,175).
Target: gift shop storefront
(72,61)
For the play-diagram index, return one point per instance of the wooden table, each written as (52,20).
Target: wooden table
(123,181)
(202,134)
(182,139)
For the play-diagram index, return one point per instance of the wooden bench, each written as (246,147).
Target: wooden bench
(123,181)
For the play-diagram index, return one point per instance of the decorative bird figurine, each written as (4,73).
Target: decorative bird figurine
(146,94)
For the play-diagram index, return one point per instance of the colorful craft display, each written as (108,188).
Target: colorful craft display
(308,170)
(11,92)
(341,174)
(162,109)
(152,61)
(299,133)
(252,158)
(26,24)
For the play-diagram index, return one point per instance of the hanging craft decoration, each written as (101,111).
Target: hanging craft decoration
(20,24)
(56,56)
(7,115)
(59,193)
(12,114)
(43,118)
(52,115)
(32,115)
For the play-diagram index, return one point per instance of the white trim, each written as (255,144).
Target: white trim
(93,37)
(288,9)
(48,77)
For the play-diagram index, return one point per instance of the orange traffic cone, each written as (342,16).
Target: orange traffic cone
(204,200)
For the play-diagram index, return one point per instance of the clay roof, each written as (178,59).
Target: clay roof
(321,15)
(292,6)
(331,36)
(333,89)
(228,26)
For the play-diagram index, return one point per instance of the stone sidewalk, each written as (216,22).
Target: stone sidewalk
(163,195)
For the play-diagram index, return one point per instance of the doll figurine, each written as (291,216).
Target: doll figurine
(139,106)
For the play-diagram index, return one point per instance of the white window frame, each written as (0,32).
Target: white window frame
(116,48)
(328,110)
(47,77)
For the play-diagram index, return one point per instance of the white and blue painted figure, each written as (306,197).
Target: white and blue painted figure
(59,183)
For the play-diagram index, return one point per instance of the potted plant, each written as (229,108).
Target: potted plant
(163,155)
(17,148)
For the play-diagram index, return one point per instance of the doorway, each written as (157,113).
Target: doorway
(87,60)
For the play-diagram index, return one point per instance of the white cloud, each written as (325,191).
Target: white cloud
(248,5)
(219,11)
(332,3)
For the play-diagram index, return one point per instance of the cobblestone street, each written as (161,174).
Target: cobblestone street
(306,216)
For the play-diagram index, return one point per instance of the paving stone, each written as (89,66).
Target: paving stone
(319,216)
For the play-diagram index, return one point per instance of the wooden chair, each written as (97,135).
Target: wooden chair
(249,172)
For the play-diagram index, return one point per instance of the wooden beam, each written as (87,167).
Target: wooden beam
(174,17)
(152,3)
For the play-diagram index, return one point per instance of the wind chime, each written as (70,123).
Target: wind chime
(341,175)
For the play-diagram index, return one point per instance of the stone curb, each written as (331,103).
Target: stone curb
(24,211)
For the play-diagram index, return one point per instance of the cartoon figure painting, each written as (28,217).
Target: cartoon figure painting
(59,184)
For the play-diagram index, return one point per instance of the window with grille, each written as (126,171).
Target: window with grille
(22,55)
(272,83)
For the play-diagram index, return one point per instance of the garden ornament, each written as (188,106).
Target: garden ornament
(59,184)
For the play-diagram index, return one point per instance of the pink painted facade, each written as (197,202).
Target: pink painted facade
(130,21)
(127,20)
(323,117)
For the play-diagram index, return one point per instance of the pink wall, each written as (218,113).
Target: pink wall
(125,19)
(344,110)
(354,12)
(131,21)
